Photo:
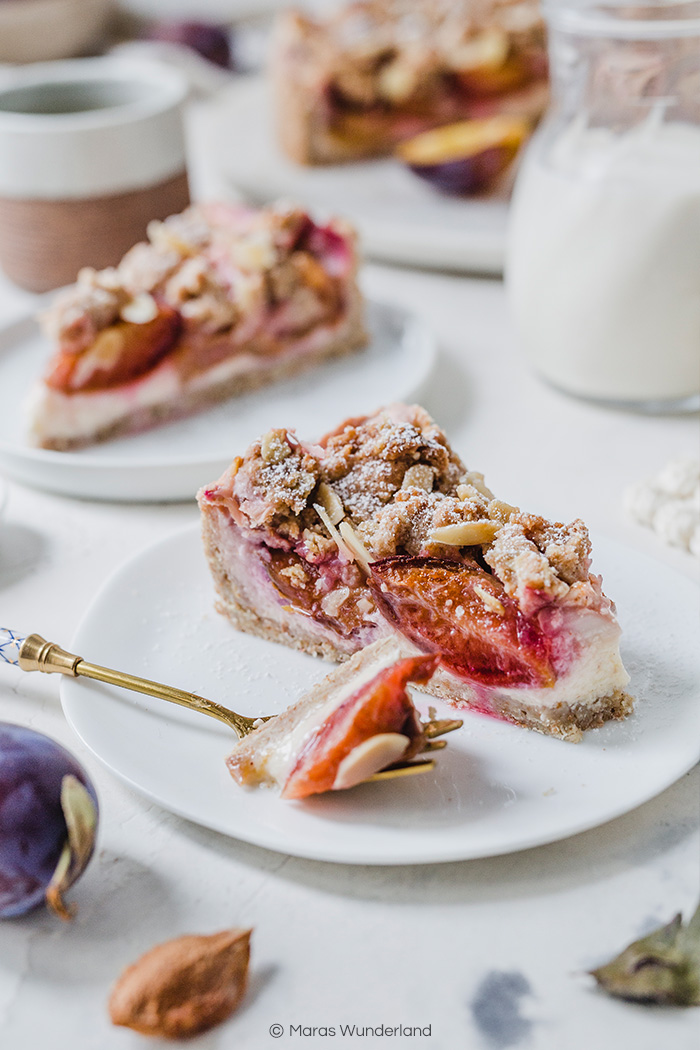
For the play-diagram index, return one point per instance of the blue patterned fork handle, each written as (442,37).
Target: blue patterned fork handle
(10,644)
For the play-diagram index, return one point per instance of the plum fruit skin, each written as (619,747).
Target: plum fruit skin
(467,157)
(208,40)
(465,176)
(32,825)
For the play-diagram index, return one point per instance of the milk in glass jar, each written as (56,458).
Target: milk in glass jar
(603,262)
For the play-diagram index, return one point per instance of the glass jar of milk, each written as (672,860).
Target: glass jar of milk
(603,262)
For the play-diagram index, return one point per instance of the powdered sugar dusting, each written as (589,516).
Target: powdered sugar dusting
(367,465)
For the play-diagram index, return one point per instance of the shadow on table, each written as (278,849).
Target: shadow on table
(637,838)
(118,898)
(21,551)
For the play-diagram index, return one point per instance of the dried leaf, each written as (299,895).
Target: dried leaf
(662,968)
(183,986)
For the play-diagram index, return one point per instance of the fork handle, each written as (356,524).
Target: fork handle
(34,653)
(10,645)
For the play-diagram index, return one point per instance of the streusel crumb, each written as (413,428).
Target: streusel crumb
(395,479)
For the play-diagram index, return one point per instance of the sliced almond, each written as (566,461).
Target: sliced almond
(140,310)
(274,447)
(419,476)
(355,544)
(488,50)
(502,511)
(369,757)
(475,478)
(331,502)
(466,533)
(348,543)
(332,602)
(334,534)
(465,492)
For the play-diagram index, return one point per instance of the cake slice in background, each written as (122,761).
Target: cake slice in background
(380,71)
(222,299)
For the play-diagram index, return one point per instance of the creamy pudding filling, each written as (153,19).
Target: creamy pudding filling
(380,529)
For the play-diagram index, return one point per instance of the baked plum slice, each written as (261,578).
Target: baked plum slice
(298,580)
(118,354)
(460,611)
(374,728)
(467,157)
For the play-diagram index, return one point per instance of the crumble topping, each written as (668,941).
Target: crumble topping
(399,51)
(214,263)
(407,523)
(368,460)
(390,484)
(200,294)
(520,565)
(274,482)
(567,548)
(92,304)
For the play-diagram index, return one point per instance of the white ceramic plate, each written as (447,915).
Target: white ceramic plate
(399,217)
(172,461)
(496,788)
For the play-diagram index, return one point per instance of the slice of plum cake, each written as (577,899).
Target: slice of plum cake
(222,299)
(356,722)
(380,530)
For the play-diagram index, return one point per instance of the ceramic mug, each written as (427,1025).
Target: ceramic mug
(90,151)
(49,29)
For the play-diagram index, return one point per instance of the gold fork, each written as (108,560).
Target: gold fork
(34,653)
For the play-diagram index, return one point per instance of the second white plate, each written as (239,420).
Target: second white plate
(496,788)
(171,462)
(399,217)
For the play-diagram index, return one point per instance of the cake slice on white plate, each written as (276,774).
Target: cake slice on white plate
(222,299)
(379,530)
(377,72)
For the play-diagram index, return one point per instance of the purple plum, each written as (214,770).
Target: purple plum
(209,41)
(48,821)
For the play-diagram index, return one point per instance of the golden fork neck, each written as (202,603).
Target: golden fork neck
(36,654)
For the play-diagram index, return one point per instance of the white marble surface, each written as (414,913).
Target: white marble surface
(491,953)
